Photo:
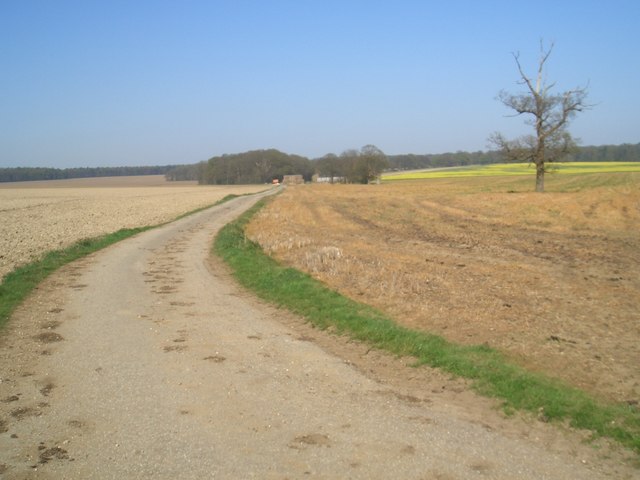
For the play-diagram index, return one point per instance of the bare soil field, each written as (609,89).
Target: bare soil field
(36,217)
(552,280)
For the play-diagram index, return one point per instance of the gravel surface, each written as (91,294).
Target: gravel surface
(145,361)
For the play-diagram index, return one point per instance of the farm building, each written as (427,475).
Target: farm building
(318,179)
(293,180)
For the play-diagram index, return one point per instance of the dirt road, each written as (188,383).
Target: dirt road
(145,361)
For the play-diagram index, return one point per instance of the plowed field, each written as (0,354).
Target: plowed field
(36,217)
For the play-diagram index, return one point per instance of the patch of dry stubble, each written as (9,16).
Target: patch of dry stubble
(553,280)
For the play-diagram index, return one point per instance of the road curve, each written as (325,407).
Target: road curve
(144,361)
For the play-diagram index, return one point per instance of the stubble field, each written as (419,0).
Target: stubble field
(36,217)
(552,280)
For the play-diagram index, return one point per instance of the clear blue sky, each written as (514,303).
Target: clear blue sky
(110,82)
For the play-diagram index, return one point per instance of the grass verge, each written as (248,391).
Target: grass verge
(490,372)
(19,283)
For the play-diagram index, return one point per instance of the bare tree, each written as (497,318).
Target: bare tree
(547,112)
(263,167)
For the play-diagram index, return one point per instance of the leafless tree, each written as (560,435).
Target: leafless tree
(547,112)
(263,167)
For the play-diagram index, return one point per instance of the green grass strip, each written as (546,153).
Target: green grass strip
(19,283)
(490,372)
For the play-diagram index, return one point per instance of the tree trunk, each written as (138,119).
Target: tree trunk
(540,177)
(540,157)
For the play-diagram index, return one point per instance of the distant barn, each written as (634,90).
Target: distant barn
(293,180)
(318,179)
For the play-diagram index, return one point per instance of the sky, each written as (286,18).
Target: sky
(112,83)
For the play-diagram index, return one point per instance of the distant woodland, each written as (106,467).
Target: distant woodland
(353,166)
(257,166)
(25,174)
(604,153)
(262,166)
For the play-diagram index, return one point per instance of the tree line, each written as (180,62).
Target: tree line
(607,153)
(256,166)
(359,166)
(24,174)
(604,153)
(340,167)
(351,166)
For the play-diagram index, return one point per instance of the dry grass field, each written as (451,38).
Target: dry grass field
(36,217)
(552,280)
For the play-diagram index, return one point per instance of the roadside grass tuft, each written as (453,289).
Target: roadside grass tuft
(489,371)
